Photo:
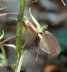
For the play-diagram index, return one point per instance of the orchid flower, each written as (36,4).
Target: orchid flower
(48,42)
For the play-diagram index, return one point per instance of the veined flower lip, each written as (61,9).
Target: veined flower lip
(49,44)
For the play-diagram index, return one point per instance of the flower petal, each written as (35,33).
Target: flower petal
(49,44)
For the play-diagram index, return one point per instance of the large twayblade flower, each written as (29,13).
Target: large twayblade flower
(48,42)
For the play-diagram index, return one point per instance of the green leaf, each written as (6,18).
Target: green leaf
(35,21)
(13,19)
(2,35)
(21,61)
(10,45)
(3,8)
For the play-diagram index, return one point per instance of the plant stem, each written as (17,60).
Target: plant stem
(1,43)
(19,30)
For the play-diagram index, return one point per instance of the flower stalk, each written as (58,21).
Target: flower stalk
(19,31)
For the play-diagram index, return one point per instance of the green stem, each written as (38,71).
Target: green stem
(19,30)
(4,54)
(3,51)
(21,61)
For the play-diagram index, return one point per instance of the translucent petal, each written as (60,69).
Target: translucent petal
(49,44)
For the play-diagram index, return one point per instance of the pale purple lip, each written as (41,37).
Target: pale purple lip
(49,44)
